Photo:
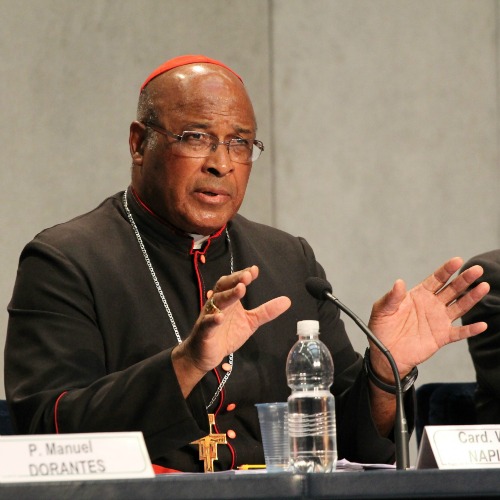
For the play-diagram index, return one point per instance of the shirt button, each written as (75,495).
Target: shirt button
(202,258)
(226,367)
(231,434)
(231,407)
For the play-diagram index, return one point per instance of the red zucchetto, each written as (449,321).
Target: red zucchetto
(182,61)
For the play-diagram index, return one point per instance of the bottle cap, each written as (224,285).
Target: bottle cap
(308,327)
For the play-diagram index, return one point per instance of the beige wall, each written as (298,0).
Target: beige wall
(386,137)
(380,119)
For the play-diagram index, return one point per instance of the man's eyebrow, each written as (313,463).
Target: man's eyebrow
(194,125)
(206,126)
(241,130)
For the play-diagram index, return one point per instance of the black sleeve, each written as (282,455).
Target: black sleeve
(485,347)
(56,366)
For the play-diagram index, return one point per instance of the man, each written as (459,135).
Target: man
(485,349)
(163,304)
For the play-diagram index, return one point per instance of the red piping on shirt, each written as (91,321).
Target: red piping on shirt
(201,291)
(196,253)
(143,205)
(56,408)
(150,212)
(231,449)
(201,288)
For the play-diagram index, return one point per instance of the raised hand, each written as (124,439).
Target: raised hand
(222,329)
(415,324)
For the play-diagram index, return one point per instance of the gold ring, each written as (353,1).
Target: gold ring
(210,307)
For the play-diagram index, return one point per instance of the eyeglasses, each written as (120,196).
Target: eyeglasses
(193,144)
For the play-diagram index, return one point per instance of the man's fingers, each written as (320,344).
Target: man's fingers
(466,331)
(269,310)
(458,308)
(245,276)
(460,284)
(391,301)
(222,300)
(208,324)
(438,278)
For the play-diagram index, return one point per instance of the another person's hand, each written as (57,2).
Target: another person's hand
(224,329)
(414,325)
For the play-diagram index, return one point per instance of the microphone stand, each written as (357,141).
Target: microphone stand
(401,426)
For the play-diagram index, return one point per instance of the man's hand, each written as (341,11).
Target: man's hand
(216,334)
(414,325)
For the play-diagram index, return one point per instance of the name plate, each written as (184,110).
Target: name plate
(459,447)
(70,457)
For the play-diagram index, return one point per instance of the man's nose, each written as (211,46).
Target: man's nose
(218,162)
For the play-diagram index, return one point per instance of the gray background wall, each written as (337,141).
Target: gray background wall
(380,119)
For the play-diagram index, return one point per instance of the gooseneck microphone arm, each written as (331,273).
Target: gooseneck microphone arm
(321,290)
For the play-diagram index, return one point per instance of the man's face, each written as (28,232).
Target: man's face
(195,195)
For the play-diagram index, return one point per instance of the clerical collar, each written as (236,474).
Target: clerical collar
(198,240)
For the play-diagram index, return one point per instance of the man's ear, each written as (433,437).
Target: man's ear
(137,142)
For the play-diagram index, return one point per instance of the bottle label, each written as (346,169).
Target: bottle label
(310,393)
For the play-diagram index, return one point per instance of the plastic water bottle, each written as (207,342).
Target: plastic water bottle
(311,406)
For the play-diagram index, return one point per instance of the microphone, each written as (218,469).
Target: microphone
(322,290)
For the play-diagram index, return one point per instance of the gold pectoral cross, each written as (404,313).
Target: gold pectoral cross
(208,445)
